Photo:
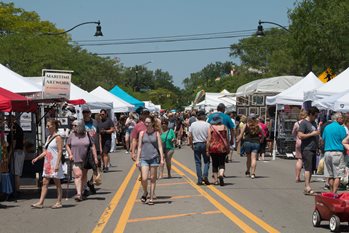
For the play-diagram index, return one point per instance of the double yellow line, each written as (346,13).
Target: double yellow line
(120,227)
(231,202)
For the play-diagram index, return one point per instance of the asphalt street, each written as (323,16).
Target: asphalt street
(273,202)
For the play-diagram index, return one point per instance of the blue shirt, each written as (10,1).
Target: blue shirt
(226,120)
(333,136)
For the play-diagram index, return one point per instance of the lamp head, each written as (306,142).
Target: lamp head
(99,30)
(260,31)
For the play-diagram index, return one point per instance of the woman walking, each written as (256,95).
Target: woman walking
(149,157)
(168,137)
(77,147)
(298,155)
(130,124)
(253,137)
(218,148)
(52,164)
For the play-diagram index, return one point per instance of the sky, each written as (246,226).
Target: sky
(129,19)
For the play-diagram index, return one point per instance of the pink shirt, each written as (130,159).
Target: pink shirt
(140,126)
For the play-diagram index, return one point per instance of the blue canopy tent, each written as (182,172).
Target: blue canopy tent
(117,91)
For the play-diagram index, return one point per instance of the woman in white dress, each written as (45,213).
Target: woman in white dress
(52,165)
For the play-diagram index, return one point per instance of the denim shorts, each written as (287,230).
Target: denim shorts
(251,147)
(150,162)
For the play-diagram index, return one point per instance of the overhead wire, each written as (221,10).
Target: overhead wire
(171,36)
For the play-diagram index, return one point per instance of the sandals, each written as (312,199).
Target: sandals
(150,202)
(78,198)
(144,197)
(309,192)
(57,206)
(37,206)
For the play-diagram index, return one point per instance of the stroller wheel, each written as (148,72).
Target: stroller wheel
(334,223)
(316,218)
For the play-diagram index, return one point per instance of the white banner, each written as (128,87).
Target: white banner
(56,85)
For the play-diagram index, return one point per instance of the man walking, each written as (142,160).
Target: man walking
(106,127)
(226,121)
(198,134)
(309,135)
(333,136)
(92,129)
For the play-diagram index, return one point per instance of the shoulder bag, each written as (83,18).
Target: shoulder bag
(164,143)
(218,146)
(89,162)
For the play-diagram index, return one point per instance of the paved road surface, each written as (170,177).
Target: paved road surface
(272,202)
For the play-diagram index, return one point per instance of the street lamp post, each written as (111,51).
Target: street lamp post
(260,31)
(98,29)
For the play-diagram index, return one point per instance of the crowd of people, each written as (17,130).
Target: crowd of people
(150,139)
(321,138)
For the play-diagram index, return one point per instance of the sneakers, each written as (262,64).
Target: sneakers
(205,181)
(221,180)
(327,187)
(91,187)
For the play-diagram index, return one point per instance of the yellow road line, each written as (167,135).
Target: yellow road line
(103,220)
(172,216)
(219,206)
(170,184)
(234,204)
(120,227)
(177,197)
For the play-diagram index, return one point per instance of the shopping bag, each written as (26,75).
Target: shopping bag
(97,177)
(321,167)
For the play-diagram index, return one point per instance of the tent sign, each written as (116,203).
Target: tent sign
(56,84)
(327,75)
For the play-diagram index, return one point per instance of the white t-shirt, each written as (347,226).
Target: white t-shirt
(199,131)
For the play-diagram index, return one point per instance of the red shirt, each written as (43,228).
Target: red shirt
(140,126)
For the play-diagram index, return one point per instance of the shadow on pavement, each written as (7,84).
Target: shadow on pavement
(111,171)
(162,202)
(95,198)
(163,197)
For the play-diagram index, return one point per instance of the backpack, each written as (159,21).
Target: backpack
(218,144)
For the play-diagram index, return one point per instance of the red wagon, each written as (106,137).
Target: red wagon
(331,207)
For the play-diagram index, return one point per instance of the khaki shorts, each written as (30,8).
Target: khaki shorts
(334,164)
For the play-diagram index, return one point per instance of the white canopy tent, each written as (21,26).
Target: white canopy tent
(337,102)
(119,105)
(16,83)
(151,107)
(212,100)
(337,85)
(76,92)
(268,85)
(294,95)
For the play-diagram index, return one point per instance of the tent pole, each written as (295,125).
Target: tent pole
(274,143)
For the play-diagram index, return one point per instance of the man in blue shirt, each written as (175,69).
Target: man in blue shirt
(226,121)
(333,136)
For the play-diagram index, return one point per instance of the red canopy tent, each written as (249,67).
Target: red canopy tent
(12,102)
